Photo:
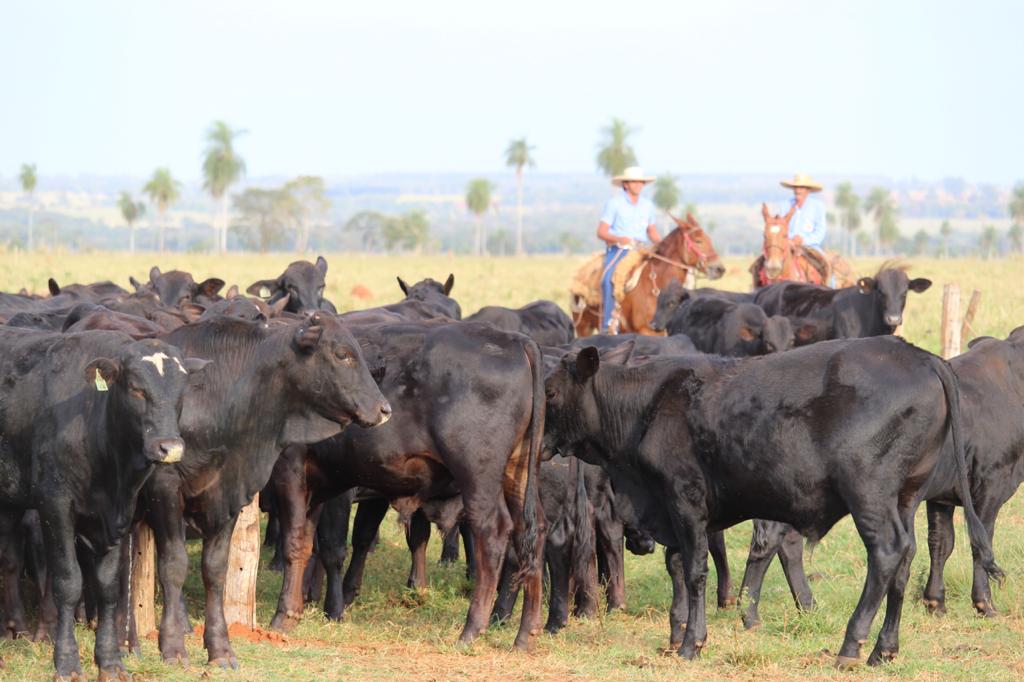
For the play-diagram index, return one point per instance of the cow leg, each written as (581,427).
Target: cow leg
(490,523)
(417,535)
(332,547)
(369,516)
(888,643)
(765,542)
(690,525)
(35,553)
(716,545)
(531,567)
(679,612)
(296,529)
(508,590)
(172,568)
(558,560)
(215,568)
(981,592)
(467,544)
(450,547)
(105,581)
(941,539)
(66,584)
(791,556)
(886,542)
(12,555)
(609,532)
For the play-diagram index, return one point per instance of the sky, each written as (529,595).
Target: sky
(900,89)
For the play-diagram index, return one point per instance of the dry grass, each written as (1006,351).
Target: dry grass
(392,634)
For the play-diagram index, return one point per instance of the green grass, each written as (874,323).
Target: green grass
(392,634)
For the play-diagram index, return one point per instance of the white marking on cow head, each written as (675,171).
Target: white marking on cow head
(180,366)
(158,361)
(774,229)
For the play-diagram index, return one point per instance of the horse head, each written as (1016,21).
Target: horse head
(691,245)
(776,241)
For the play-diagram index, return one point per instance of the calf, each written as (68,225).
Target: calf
(468,402)
(269,387)
(426,300)
(302,282)
(542,321)
(85,417)
(176,287)
(696,443)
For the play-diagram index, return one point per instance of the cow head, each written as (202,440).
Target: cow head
(144,387)
(570,404)
(890,287)
(669,300)
(176,287)
(744,330)
(435,294)
(302,282)
(778,334)
(330,376)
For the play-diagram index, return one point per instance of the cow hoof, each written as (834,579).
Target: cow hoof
(847,662)
(225,662)
(176,658)
(553,628)
(751,623)
(727,603)
(72,676)
(691,653)
(285,622)
(878,657)
(114,673)
(985,609)
(935,607)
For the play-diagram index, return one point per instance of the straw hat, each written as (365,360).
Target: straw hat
(802,180)
(632,174)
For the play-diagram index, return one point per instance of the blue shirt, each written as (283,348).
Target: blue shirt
(628,219)
(807,222)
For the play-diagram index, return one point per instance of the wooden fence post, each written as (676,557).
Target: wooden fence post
(243,561)
(966,330)
(143,580)
(950,320)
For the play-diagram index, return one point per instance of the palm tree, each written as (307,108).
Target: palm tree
(883,209)
(666,192)
(163,190)
(478,200)
(945,230)
(222,167)
(848,204)
(614,153)
(131,211)
(517,156)
(28,185)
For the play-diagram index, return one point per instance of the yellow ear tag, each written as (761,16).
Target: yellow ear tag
(101,385)
(264,292)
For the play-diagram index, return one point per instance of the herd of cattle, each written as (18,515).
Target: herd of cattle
(793,405)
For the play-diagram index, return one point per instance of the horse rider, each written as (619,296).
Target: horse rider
(807,226)
(628,219)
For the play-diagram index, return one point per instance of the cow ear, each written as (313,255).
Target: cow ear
(449,283)
(764,212)
(866,285)
(231,292)
(978,339)
(264,288)
(210,287)
(806,333)
(101,372)
(195,365)
(308,335)
(278,306)
(54,287)
(154,274)
(321,265)
(191,311)
(919,285)
(403,285)
(619,355)
(587,362)
(747,334)
(135,283)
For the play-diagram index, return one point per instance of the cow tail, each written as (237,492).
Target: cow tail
(526,542)
(583,541)
(981,545)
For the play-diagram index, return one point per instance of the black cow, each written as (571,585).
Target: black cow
(542,321)
(302,282)
(674,293)
(468,402)
(176,287)
(269,387)
(89,316)
(426,300)
(84,418)
(873,307)
(722,327)
(805,437)
(677,344)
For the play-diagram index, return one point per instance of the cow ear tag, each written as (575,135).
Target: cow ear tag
(264,292)
(101,384)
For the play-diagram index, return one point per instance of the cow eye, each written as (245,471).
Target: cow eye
(344,356)
(137,392)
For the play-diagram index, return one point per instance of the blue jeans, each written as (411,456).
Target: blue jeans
(612,257)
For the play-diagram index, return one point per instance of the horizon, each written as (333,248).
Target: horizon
(917,91)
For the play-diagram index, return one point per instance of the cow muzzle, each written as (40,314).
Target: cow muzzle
(893,320)
(170,450)
(380,415)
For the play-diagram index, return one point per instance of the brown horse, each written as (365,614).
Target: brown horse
(782,260)
(687,247)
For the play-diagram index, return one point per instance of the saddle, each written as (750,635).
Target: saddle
(585,287)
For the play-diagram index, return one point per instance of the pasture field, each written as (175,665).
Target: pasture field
(393,633)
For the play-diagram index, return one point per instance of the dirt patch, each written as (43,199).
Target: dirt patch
(258,635)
